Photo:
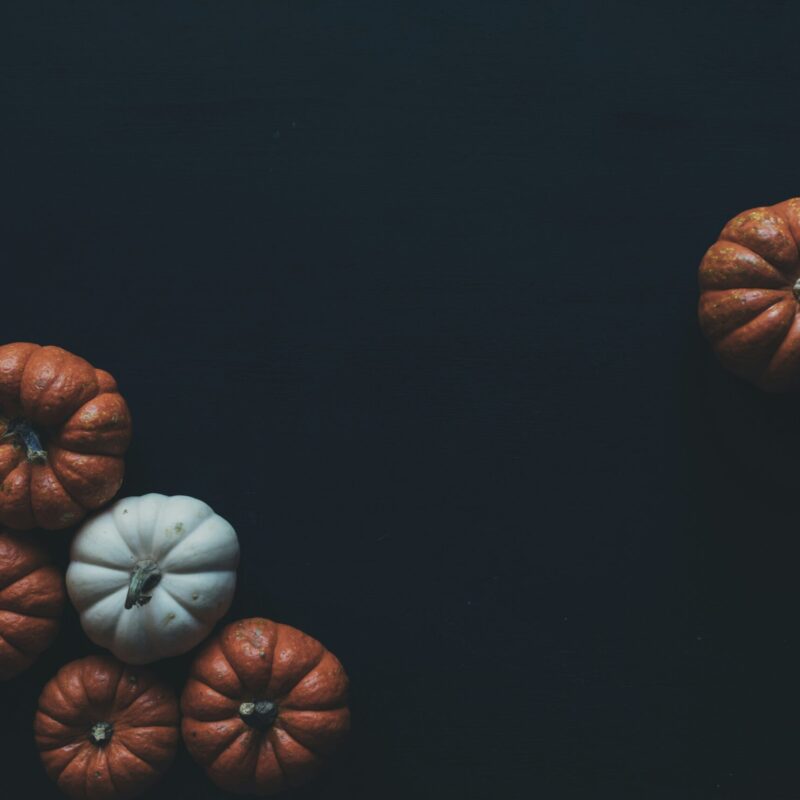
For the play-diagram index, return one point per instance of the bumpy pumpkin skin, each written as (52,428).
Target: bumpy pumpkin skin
(750,296)
(106,731)
(264,708)
(31,601)
(64,428)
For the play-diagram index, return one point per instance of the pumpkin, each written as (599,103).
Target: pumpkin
(750,294)
(152,575)
(264,708)
(31,601)
(105,730)
(64,428)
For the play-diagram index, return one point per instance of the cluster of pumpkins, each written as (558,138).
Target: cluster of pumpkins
(265,705)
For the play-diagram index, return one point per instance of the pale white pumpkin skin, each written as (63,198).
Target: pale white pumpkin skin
(197,554)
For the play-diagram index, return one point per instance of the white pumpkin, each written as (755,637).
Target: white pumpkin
(151,575)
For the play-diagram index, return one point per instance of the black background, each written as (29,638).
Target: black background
(406,291)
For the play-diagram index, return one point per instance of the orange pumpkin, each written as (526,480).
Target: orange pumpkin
(106,731)
(64,428)
(750,295)
(264,708)
(31,601)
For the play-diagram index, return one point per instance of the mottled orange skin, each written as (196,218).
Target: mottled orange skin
(253,660)
(85,425)
(31,601)
(748,307)
(145,718)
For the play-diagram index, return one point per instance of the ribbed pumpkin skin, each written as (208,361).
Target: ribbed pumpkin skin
(142,711)
(31,601)
(256,660)
(748,301)
(84,425)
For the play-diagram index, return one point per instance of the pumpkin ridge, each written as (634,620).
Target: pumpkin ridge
(22,617)
(88,452)
(58,477)
(86,791)
(122,711)
(779,345)
(239,735)
(255,747)
(778,351)
(25,369)
(81,746)
(115,707)
(290,729)
(14,647)
(88,504)
(291,688)
(720,342)
(187,531)
(229,661)
(79,732)
(84,701)
(183,605)
(778,210)
(121,738)
(275,738)
(109,771)
(294,738)
(270,740)
(148,764)
(722,263)
(711,300)
(60,705)
(723,237)
(43,563)
(224,743)
(214,689)
(3,607)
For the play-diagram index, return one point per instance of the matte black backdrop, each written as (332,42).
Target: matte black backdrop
(406,291)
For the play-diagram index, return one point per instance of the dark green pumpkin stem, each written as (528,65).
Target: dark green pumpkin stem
(144,579)
(259,715)
(25,436)
(101,733)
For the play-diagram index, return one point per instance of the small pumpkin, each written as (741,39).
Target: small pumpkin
(750,295)
(264,708)
(104,730)
(64,428)
(31,601)
(152,575)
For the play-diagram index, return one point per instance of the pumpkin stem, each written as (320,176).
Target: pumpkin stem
(144,579)
(25,436)
(258,715)
(100,733)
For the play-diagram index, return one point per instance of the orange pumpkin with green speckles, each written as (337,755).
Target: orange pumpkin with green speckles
(265,707)
(750,296)
(64,428)
(31,600)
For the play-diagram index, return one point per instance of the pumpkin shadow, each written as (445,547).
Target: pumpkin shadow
(741,457)
(757,433)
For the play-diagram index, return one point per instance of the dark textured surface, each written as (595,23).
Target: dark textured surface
(406,291)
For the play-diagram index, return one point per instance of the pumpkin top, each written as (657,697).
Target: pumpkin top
(152,575)
(105,730)
(63,430)
(265,706)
